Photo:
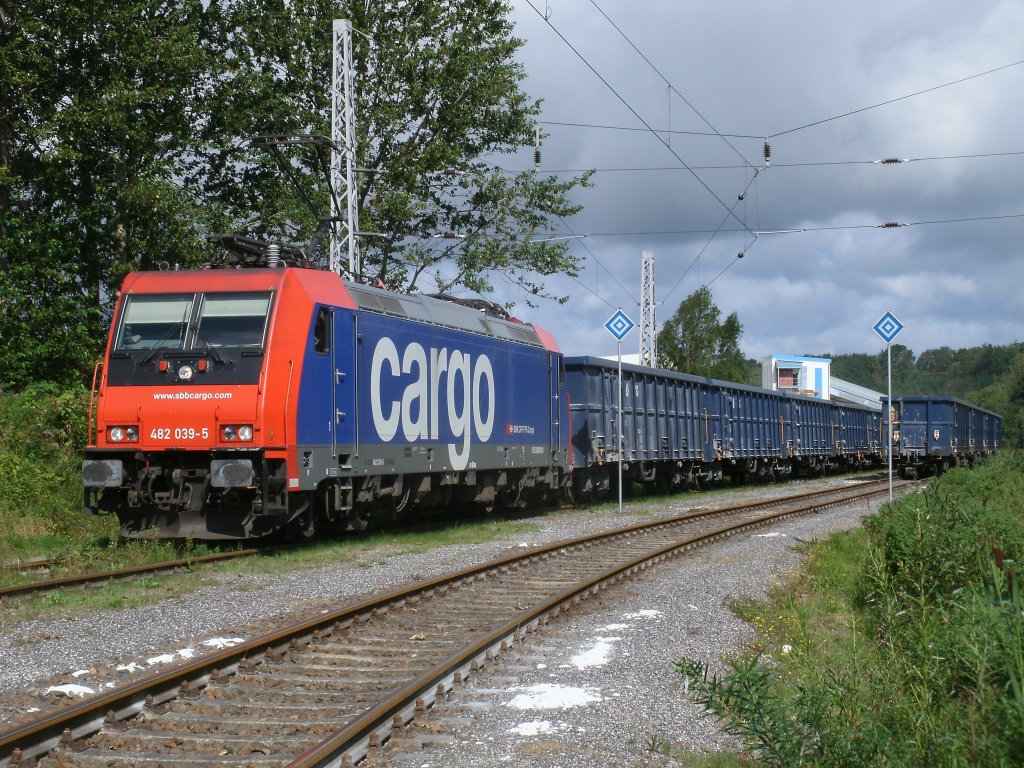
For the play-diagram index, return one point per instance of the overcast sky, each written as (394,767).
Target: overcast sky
(762,69)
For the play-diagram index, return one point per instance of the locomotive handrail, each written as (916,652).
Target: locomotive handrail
(288,402)
(93,427)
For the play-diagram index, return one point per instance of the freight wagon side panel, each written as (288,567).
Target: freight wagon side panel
(664,414)
(754,431)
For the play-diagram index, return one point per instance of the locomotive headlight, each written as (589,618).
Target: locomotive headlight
(185,372)
(121,434)
(240,432)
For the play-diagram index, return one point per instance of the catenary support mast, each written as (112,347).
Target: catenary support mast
(648,330)
(343,154)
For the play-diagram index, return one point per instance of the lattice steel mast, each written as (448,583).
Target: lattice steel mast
(648,327)
(343,153)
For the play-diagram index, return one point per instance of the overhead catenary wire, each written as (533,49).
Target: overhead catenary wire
(635,129)
(636,114)
(898,98)
(795,230)
(672,88)
(807,164)
(576,235)
(730,210)
(753,232)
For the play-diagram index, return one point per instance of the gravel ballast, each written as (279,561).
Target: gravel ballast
(598,689)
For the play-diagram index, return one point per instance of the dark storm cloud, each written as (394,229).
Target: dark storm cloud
(765,68)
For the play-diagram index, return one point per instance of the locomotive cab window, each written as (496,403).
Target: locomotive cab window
(232,320)
(322,331)
(155,322)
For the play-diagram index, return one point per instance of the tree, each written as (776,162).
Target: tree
(126,137)
(439,97)
(99,105)
(697,341)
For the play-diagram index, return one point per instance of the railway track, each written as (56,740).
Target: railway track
(84,580)
(330,691)
(47,585)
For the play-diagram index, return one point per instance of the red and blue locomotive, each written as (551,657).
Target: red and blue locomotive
(235,403)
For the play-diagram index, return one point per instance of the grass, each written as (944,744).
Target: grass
(104,554)
(115,595)
(899,644)
(815,609)
(364,552)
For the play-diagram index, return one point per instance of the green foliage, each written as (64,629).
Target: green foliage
(956,372)
(42,434)
(989,376)
(100,103)
(905,650)
(929,543)
(697,341)
(124,141)
(438,91)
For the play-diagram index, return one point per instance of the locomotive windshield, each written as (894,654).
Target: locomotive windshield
(232,320)
(152,322)
(165,321)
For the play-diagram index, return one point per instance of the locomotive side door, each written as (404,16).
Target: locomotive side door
(555,383)
(343,384)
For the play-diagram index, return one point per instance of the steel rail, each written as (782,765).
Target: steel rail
(26,565)
(121,573)
(372,729)
(78,721)
(91,578)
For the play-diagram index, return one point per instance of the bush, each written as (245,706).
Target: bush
(937,542)
(43,431)
(928,668)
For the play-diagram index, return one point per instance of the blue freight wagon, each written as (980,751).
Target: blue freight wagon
(932,434)
(679,430)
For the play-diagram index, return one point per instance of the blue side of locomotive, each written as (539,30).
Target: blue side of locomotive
(475,396)
(413,400)
(681,429)
(933,434)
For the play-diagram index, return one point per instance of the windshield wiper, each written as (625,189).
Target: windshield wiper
(217,357)
(213,350)
(159,345)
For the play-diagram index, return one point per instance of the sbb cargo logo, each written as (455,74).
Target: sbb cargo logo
(467,395)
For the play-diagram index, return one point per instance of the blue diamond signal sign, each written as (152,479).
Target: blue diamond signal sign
(619,325)
(888,327)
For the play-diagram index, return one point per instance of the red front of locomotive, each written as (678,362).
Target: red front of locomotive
(191,413)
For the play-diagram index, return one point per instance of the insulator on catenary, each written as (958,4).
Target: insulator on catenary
(536,159)
(891,225)
(767,153)
(892,161)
